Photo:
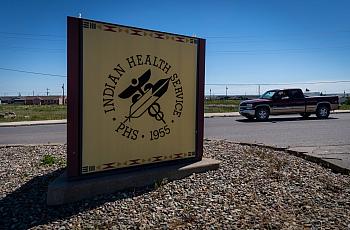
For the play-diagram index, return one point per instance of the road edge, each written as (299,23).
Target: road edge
(324,163)
(4,146)
(64,121)
(31,123)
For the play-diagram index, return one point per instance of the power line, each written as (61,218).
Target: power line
(24,49)
(291,83)
(39,39)
(279,50)
(295,35)
(257,41)
(209,84)
(32,48)
(30,72)
(30,34)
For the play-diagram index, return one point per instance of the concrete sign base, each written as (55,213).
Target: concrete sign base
(62,190)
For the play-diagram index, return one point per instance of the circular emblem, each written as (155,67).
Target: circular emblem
(143,97)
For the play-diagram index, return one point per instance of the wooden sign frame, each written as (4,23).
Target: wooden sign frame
(75,95)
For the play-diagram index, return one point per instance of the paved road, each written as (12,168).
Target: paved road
(282,131)
(279,131)
(36,134)
(327,139)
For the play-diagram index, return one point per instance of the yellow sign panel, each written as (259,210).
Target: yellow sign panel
(139,97)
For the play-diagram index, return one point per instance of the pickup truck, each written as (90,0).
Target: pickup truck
(288,101)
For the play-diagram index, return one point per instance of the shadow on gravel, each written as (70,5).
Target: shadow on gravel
(284,119)
(26,206)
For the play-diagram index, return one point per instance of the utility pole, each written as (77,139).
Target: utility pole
(259,89)
(210,94)
(226,92)
(33,93)
(63,94)
(47,92)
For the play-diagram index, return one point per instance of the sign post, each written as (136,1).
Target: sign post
(135,99)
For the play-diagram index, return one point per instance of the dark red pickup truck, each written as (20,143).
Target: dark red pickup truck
(288,101)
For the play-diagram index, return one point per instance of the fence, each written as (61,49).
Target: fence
(341,88)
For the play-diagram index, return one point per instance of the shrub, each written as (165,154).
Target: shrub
(48,160)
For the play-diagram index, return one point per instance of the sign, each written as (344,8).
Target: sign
(135,97)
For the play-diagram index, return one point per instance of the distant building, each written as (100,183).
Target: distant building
(19,101)
(7,99)
(34,100)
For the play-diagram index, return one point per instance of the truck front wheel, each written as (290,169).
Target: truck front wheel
(322,112)
(262,114)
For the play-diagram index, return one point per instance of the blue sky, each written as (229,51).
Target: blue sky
(248,41)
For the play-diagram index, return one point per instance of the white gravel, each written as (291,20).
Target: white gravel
(255,188)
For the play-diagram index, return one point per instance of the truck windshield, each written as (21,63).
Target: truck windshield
(268,94)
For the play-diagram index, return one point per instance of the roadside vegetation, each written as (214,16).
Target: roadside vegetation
(221,106)
(346,104)
(10,112)
(222,102)
(219,109)
(48,160)
(344,107)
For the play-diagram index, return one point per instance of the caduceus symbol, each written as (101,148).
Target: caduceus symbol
(145,97)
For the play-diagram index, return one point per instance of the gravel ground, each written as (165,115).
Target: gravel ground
(255,188)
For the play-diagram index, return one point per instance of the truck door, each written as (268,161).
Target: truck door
(297,100)
(281,103)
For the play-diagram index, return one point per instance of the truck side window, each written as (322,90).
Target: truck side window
(281,95)
(278,95)
(284,94)
(296,94)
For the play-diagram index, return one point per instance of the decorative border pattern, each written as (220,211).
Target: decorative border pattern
(116,165)
(138,32)
(74,70)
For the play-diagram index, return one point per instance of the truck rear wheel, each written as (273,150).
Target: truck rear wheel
(262,114)
(322,111)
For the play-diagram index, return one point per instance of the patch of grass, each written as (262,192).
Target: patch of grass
(48,160)
(218,109)
(346,104)
(344,107)
(34,112)
(221,106)
(221,102)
